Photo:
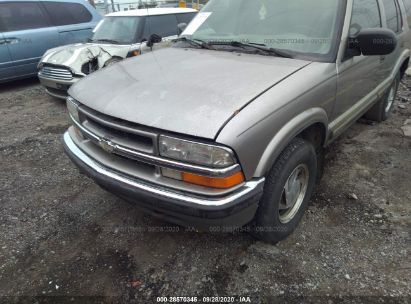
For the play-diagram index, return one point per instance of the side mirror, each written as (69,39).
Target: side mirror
(154,38)
(371,42)
(181,27)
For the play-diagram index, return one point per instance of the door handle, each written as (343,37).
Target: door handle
(12,40)
(3,41)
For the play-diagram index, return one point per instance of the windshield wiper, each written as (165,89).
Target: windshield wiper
(257,46)
(106,40)
(195,42)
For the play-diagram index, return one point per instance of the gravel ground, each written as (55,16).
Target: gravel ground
(62,237)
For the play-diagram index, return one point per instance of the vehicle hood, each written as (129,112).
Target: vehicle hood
(74,56)
(188,91)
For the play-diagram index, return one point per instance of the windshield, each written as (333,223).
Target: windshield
(122,30)
(301,26)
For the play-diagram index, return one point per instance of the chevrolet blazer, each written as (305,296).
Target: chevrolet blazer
(227,127)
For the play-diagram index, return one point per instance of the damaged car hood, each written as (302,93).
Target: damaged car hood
(188,91)
(75,55)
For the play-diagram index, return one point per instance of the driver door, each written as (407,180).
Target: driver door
(358,76)
(6,64)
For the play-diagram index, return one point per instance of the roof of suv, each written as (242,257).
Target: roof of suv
(151,12)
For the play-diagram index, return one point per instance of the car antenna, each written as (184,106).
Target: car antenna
(149,24)
(152,52)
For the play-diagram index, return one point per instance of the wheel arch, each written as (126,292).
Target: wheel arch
(404,66)
(401,64)
(311,125)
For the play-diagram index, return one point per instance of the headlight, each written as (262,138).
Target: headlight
(72,107)
(196,153)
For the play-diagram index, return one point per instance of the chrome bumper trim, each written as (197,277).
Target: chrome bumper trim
(45,80)
(156,160)
(59,96)
(248,188)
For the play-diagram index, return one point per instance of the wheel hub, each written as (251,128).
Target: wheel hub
(390,98)
(293,194)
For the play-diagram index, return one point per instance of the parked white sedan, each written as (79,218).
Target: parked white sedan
(118,36)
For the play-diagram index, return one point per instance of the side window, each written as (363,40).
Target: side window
(392,14)
(407,4)
(17,16)
(163,25)
(365,14)
(64,13)
(186,18)
(3,17)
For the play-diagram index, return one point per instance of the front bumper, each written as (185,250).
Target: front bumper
(56,87)
(228,212)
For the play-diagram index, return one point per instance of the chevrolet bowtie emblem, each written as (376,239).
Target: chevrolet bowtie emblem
(107,145)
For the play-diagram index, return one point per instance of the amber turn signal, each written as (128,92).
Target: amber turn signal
(214,182)
(133,53)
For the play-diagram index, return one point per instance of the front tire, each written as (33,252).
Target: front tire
(382,110)
(287,191)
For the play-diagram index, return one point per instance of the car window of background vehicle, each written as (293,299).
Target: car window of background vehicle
(120,29)
(162,25)
(17,16)
(63,13)
(185,18)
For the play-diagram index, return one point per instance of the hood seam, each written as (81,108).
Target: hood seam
(254,98)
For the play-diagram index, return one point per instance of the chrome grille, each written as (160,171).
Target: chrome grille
(121,138)
(129,151)
(56,73)
(123,133)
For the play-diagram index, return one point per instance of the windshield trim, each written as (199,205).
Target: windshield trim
(342,11)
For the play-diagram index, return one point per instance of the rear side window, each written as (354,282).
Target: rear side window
(407,4)
(185,18)
(163,25)
(64,13)
(393,15)
(16,16)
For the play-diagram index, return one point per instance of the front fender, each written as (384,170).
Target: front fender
(405,55)
(287,133)
(261,131)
